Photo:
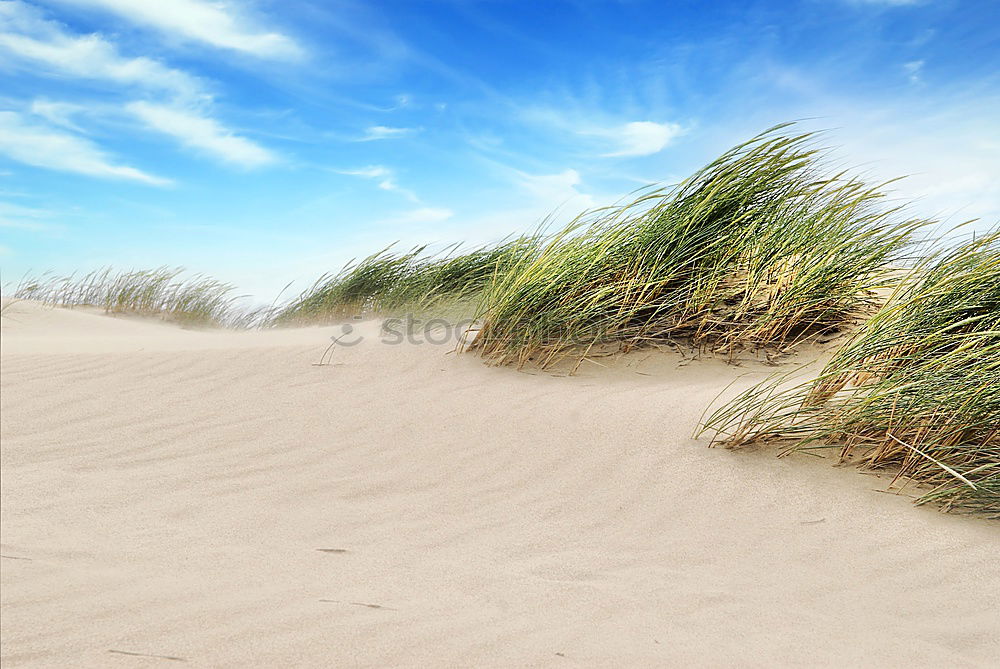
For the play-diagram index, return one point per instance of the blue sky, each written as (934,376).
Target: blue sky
(269,141)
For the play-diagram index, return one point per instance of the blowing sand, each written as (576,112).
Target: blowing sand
(216,499)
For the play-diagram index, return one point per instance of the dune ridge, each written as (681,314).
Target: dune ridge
(218,499)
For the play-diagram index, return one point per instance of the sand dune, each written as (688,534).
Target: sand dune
(217,499)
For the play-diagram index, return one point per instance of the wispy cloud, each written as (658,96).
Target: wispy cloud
(639,138)
(913,70)
(22,218)
(58,113)
(400,101)
(224,25)
(27,37)
(420,215)
(556,190)
(202,133)
(386,180)
(370,172)
(46,46)
(42,146)
(611,139)
(377,132)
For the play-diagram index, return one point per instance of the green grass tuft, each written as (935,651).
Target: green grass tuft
(917,388)
(386,282)
(194,301)
(760,248)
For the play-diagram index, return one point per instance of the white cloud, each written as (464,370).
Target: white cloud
(421,215)
(53,149)
(640,138)
(203,133)
(224,25)
(22,218)
(557,190)
(58,113)
(28,37)
(913,70)
(11,209)
(31,39)
(617,140)
(377,132)
(386,177)
(389,184)
(370,172)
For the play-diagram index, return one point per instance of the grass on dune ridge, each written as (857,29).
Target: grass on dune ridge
(762,248)
(195,300)
(388,282)
(756,250)
(917,387)
(385,282)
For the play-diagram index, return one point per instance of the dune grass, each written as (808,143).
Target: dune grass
(916,388)
(761,249)
(756,250)
(449,282)
(163,292)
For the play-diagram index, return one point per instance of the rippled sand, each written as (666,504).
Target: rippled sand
(216,498)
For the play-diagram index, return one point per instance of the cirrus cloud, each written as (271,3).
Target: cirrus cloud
(224,25)
(386,179)
(420,215)
(202,133)
(640,138)
(31,40)
(43,146)
(377,132)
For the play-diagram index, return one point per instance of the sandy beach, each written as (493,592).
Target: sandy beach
(216,498)
(705,371)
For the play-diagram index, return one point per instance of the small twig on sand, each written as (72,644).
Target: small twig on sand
(158,657)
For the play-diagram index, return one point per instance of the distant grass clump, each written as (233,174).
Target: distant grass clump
(918,387)
(388,282)
(162,292)
(756,250)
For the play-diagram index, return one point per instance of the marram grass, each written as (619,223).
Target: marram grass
(387,282)
(164,292)
(917,388)
(760,248)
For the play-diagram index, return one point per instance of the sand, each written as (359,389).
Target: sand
(214,498)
